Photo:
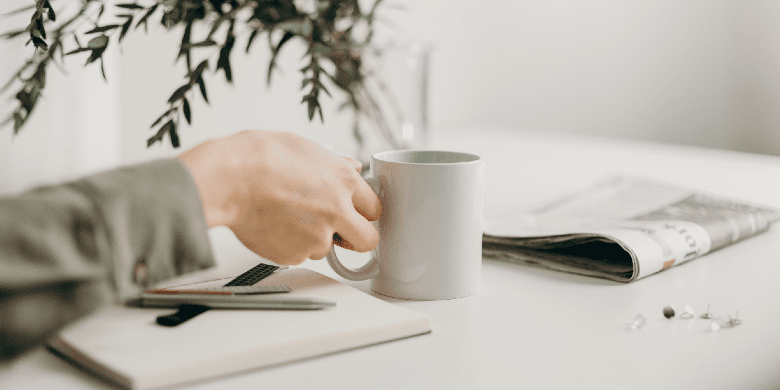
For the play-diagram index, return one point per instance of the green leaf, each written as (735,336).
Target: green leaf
(14,34)
(216,24)
(312,109)
(249,43)
(99,42)
(313,104)
(97,53)
(151,141)
(185,39)
(79,50)
(322,50)
(39,27)
(324,89)
(20,10)
(224,55)
(130,6)
(38,42)
(18,122)
(187,112)
(40,77)
(125,28)
(206,43)
(146,16)
(51,15)
(166,113)
(179,93)
(202,85)
(102,28)
(225,65)
(331,77)
(103,70)
(302,27)
(25,100)
(275,52)
(198,71)
(160,134)
(174,136)
(184,49)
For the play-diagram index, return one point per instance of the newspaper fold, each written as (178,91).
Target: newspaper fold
(624,229)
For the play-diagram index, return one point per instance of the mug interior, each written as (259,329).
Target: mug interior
(425,157)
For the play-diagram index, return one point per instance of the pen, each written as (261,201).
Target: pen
(170,292)
(232,290)
(233,302)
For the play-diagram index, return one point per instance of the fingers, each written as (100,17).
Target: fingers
(289,258)
(342,242)
(356,233)
(355,163)
(364,199)
(366,202)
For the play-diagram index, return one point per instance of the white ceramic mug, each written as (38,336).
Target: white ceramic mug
(430,230)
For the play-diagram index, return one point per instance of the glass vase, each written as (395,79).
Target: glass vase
(393,102)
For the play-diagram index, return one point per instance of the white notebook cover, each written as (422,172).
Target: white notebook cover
(126,346)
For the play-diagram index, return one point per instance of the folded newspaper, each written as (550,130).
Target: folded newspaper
(624,229)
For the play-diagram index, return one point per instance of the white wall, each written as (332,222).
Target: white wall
(701,72)
(758,78)
(75,127)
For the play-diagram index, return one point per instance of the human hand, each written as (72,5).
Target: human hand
(285,197)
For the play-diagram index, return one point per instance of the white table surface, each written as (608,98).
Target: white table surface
(538,329)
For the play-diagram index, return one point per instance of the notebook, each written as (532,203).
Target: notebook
(127,347)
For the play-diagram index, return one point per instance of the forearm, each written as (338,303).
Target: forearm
(67,249)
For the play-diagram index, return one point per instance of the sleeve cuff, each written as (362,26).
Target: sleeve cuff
(154,223)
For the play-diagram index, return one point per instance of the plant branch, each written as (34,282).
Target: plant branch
(328,29)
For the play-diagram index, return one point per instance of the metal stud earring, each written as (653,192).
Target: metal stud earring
(669,311)
(688,314)
(707,315)
(732,322)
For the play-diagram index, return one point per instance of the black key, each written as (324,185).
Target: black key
(254,275)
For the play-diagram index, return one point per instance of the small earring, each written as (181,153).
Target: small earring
(669,311)
(638,322)
(707,315)
(732,322)
(688,313)
(717,324)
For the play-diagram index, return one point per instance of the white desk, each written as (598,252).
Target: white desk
(532,328)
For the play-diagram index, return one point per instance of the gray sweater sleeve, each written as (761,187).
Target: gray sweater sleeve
(67,249)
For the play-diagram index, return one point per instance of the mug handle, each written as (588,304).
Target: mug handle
(368,271)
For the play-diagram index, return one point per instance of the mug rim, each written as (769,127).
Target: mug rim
(382,156)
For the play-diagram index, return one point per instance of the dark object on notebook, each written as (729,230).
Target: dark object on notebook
(185,313)
(248,278)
